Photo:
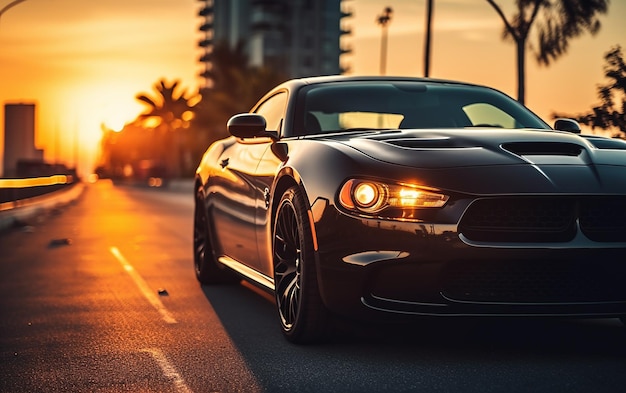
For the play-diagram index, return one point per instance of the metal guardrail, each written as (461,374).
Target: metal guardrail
(22,199)
(36,181)
(52,191)
(14,190)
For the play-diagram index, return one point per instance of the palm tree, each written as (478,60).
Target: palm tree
(173,111)
(168,106)
(611,112)
(555,21)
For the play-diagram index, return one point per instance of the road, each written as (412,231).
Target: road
(100,297)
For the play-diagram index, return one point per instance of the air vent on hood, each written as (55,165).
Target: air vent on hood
(421,143)
(543,149)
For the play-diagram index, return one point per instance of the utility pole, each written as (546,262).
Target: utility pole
(429,17)
(383,20)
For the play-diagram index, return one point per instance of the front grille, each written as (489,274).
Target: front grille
(545,219)
(535,281)
(604,219)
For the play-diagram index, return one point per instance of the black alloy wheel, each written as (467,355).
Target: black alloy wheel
(205,263)
(303,317)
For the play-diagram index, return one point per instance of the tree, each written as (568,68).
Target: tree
(173,110)
(556,23)
(236,88)
(611,113)
(170,107)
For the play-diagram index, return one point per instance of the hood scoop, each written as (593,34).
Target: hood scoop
(430,143)
(543,149)
(549,153)
(421,143)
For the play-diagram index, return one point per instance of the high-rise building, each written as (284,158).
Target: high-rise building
(296,38)
(19,136)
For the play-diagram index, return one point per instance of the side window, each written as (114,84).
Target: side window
(273,110)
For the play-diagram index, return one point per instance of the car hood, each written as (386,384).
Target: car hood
(475,147)
(500,161)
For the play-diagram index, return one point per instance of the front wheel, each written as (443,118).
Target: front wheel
(205,264)
(623,319)
(303,316)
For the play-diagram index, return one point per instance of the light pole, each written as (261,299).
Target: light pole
(383,20)
(9,6)
(429,18)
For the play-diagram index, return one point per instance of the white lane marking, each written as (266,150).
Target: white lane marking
(143,287)
(168,370)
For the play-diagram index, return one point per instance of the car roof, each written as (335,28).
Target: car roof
(370,78)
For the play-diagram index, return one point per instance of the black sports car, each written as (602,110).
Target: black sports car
(380,197)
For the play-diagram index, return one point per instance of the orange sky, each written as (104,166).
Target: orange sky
(83,62)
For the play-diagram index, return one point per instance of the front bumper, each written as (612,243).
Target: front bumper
(378,268)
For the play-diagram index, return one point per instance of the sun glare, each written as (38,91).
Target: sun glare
(116,125)
(74,137)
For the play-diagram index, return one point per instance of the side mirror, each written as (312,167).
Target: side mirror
(568,125)
(250,125)
(246,125)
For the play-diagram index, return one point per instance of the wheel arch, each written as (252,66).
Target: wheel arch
(197,184)
(284,182)
(289,177)
(199,201)
(312,313)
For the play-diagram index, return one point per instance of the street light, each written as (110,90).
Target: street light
(383,20)
(9,6)
(429,18)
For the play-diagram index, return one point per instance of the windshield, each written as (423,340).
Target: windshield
(362,105)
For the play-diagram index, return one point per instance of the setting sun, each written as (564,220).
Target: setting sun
(83,63)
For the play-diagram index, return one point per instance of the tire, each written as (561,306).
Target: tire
(623,319)
(206,267)
(303,317)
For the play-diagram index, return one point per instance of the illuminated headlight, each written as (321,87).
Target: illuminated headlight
(373,196)
(369,196)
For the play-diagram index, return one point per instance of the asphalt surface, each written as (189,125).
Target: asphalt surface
(99,296)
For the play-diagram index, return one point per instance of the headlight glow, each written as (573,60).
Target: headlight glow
(408,197)
(374,197)
(365,194)
(415,198)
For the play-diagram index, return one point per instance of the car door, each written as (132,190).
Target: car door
(232,208)
(239,189)
(273,110)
